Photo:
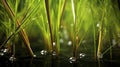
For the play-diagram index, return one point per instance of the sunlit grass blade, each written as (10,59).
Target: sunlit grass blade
(49,21)
(22,32)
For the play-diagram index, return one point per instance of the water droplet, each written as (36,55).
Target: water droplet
(82,55)
(54,44)
(54,53)
(1,54)
(4,50)
(34,56)
(69,43)
(72,59)
(61,40)
(12,58)
(43,52)
(98,25)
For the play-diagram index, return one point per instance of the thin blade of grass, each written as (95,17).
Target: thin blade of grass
(22,32)
(49,21)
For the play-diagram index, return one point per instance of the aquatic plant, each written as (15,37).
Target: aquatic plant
(78,27)
(13,16)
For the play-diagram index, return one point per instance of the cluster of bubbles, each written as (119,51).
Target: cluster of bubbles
(43,52)
(12,58)
(3,51)
(54,53)
(82,55)
(74,59)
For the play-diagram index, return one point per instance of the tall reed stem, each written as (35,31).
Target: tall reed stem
(75,40)
(99,43)
(49,21)
(22,33)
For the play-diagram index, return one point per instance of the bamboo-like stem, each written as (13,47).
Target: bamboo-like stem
(99,43)
(75,38)
(49,21)
(63,9)
(94,34)
(22,33)
(101,32)
(99,49)
(59,22)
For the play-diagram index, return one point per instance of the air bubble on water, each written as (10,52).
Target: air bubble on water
(69,43)
(54,44)
(43,52)
(72,59)
(54,53)
(1,54)
(61,40)
(82,55)
(12,58)
(4,50)
(34,55)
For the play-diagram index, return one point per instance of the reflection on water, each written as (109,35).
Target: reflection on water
(43,52)
(72,59)
(54,53)
(12,58)
(82,55)
(1,53)
(53,62)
